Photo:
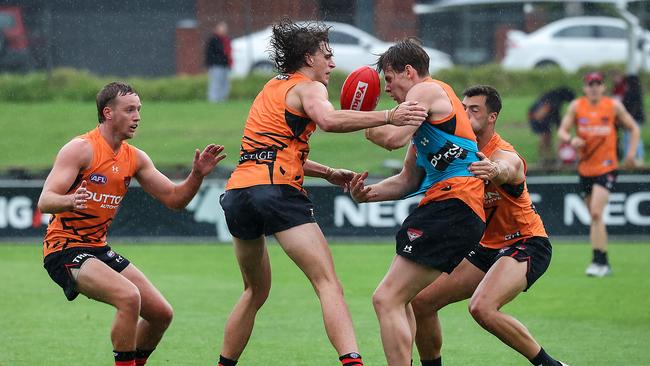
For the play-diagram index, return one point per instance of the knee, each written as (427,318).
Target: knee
(381,301)
(129,300)
(256,295)
(164,315)
(421,306)
(596,216)
(481,312)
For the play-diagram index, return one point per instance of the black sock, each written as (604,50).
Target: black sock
(141,356)
(600,257)
(226,361)
(595,258)
(543,359)
(124,356)
(351,359)
(436,362)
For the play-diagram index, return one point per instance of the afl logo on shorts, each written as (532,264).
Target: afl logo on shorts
(98,179)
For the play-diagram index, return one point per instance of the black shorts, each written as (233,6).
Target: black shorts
(265,209)
(540,126)
(59,264)
(535,251)
(439,234)
(607,181)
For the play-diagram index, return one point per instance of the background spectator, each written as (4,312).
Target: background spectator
(627,89)
(218,60)
(544,114)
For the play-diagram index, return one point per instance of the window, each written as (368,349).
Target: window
(611,32)
(342,38)
(581,31)
(7,21)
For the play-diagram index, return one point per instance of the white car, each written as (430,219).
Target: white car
(570,43)
(352,48)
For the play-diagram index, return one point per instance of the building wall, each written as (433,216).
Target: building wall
(117,37)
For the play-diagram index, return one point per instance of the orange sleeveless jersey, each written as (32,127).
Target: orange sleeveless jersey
(596,125)
(510,213)
(107,178)
(275,144)
(467,189)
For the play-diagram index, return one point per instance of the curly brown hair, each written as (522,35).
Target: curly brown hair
(291,42)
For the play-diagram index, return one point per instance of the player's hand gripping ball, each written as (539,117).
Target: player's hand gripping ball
(361,90)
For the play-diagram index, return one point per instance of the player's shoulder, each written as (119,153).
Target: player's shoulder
(78,145)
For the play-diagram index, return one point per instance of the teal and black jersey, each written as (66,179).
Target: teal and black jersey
(442,155)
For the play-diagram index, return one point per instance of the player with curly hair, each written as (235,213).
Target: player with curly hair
(265,195)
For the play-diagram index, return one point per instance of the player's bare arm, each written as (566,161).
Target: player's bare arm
(177,196)
(392,188)
(312,98)
(427,95)
(502,167)
(338,177)
(625,120)
(75,156)
(567,124)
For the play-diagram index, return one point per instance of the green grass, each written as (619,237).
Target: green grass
(584,321)
(169,133)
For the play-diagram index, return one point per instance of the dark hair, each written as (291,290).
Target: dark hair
(408,51)
(492,97)
(291,42)
(108,93)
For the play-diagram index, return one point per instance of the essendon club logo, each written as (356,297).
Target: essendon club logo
(97,179)
(127,182)
(359,95)
(413,234)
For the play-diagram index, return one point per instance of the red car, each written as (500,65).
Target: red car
(14,43)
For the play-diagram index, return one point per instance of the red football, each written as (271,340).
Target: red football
(361,90)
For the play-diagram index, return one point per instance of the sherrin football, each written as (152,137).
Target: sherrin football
(361,90)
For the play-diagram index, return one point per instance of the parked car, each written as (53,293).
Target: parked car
(570,43)
(14,43)
(352,48)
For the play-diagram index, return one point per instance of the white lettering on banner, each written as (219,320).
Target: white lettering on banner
(620,210)
(373,214)
(632,208)
(16,212)
(206,208)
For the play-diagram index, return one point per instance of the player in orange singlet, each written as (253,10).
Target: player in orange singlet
(265,196)
(449,220)
(83,192)
(512,254)
(595,117)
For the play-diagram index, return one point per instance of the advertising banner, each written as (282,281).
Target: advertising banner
(556,198)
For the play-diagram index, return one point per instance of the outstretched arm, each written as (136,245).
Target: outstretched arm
(338,177)
(177,196)
(313,99)
(391,188)
(502,167)
(56,196)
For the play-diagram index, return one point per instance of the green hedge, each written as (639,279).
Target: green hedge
(79,85)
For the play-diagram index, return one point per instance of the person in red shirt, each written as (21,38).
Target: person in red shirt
(595,118)
(512,254)
(83,192)
(218,60)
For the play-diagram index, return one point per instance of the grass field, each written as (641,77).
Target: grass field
(584,321)
(169,132)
